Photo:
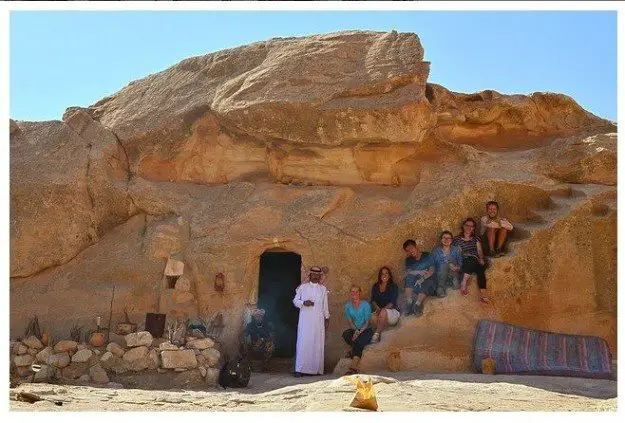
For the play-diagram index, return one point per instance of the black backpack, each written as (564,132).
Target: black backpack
(235,373)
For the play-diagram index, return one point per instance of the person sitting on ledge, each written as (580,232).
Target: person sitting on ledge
(496,229)
(359,334)
(419,268)
(384,301)
(258,342)
(472,258)
(448,260)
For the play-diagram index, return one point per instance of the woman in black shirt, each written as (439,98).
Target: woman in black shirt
(384,302)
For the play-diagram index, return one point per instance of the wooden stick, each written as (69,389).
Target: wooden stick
(108,333)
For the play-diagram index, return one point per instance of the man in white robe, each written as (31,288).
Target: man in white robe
(312,299)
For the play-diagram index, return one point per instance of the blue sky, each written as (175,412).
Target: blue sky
(62,59)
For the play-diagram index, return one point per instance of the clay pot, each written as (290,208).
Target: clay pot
(97,339)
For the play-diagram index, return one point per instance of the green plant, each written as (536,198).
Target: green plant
(33,328)
(75,333)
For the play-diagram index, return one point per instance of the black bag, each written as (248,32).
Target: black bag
(235,373)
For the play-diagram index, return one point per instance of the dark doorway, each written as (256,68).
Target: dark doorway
(279,276)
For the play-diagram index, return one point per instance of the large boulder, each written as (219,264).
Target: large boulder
(212,356)
(200,344)
(184,359)
(138,358)
(98,374)
(82,356)
(23,360)
(114,348)
(138,339)
(33,342)
(66,346)
(43,355)
(59,360)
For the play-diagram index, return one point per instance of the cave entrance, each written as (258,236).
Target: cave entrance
(279,276)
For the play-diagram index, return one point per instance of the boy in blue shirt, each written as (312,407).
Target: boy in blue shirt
(419,270)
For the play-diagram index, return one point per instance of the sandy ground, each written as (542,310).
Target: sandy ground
(405,391)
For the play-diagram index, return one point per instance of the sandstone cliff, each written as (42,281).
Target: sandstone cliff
(332,146)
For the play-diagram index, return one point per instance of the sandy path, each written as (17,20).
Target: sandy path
(395,392)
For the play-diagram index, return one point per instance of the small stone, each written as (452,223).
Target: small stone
(197,333)
(203,371)
(153,359)
(84,379)
(23,360)
(180,369)
(139,338)
(168,346)
(46,374)
(201,344)
(212,377)
(43,355)
(136,353)
(200,359)
(21,349)
(114,385)
(59,360)
(33,342)
(106,356)
(114,348)
(120,340)
(75,370)
(158,341)
(116,365)
(66,346)
(23,371)
(82,356)
(80,347)
(98,374)
(212,356)
(178,359)
(33,351)
(97,352)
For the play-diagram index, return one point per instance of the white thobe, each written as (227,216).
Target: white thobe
(311,328)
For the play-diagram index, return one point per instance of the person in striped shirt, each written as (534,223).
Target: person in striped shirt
(472,258)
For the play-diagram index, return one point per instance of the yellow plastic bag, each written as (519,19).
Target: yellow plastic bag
(365,396)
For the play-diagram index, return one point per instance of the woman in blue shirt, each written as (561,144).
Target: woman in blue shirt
(358,336)
(448,261)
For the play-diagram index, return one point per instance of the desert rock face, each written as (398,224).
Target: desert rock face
(335,147)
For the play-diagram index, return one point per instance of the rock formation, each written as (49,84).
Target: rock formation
(335,147)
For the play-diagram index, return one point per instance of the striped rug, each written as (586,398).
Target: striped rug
(518,350)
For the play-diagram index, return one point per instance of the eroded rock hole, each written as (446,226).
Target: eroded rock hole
(429,93)
(171,281)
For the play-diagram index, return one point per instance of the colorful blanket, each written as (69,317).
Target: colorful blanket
(520,350)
